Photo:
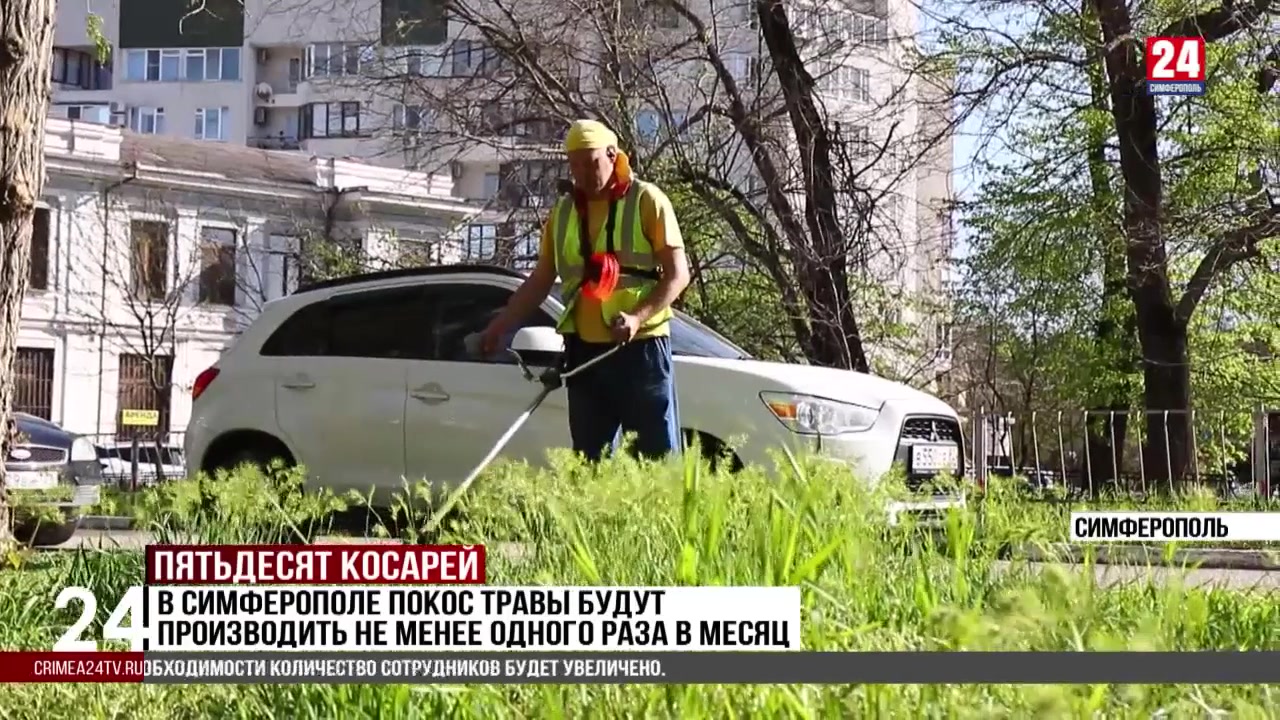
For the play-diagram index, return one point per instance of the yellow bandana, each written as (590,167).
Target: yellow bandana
(589,135)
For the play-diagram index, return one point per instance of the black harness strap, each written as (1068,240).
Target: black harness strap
(592,269)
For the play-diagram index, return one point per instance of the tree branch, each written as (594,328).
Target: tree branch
(1221,22)
(1235,246)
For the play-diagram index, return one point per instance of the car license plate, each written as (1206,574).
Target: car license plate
(31,479)
(934,458)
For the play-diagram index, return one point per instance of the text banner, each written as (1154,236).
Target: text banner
(718,668)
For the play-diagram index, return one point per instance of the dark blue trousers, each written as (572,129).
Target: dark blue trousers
(631,391)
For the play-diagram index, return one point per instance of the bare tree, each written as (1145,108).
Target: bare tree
(24,100)
(728,107)
(137,287)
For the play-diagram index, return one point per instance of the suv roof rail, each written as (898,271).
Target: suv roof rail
(431,271)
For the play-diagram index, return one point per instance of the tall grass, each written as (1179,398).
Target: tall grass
(866,586)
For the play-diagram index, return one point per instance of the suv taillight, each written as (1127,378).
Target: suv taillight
(202,382)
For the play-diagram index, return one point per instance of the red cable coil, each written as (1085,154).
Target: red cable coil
(610,270)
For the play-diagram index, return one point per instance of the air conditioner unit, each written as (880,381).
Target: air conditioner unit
(456,169)
(119,114)
(263,56)
(259,116)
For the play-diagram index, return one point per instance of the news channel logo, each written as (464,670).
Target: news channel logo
(1175,66)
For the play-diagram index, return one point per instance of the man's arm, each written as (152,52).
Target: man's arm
(530,294)
(663,231)
(675,278)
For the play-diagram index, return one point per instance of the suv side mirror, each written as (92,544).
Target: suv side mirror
(537,339)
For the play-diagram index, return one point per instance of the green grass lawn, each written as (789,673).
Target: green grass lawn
(865,586)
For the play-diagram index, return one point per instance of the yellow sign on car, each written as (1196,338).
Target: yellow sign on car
(148,418)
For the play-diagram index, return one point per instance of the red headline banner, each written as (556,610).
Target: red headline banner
(81,667)
(315,564)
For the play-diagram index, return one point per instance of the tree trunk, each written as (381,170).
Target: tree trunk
(823,271)
(1162,336)
(1114,330)
(27,30)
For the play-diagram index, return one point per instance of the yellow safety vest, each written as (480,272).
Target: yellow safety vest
(632,248)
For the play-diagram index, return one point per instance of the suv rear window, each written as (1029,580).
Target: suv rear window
(390,323)
(302,335)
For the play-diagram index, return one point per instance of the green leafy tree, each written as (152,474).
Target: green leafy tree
(1130,213)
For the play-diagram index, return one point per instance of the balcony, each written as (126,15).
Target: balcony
(275,142)
(278,77)
(505,134)
(99,113)
(75,69)
(288,94)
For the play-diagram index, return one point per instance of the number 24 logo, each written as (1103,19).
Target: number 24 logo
(1184,56)
(130,607)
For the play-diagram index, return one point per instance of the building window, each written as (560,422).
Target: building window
(149,243)
(423,62)
(473,57)
(211,123)
(531,183)
(411,118)
(33,382)
(860,139)
(740,65)
(93,113)
(325,120)
(845,82)
(217,266)
(647,124)
(516,121)
(859,84)
(481,244)
(524,251)
(852,28)
(869,30)
(79,70)
(663,16)
(744,11)
(182,65)
(420,253)
(147,120)
(652,125)
(338,59)
(145,382)
(211,64)
(492,181)
(38,272)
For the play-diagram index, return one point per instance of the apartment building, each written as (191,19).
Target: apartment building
(150,253)
(400,83)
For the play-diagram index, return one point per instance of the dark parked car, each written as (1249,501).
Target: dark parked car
(56,469)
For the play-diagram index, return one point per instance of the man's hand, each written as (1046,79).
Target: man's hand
(491,337)
(625,327)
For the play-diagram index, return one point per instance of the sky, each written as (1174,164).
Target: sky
(966,179)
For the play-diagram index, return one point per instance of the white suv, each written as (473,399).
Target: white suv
(367,380)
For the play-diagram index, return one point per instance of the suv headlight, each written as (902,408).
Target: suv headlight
(811,415)
(83,451)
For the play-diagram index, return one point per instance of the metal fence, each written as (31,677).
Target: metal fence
(1235,453)
(141,460)
(1136,451)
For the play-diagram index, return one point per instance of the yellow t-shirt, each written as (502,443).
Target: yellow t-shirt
(657,218)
